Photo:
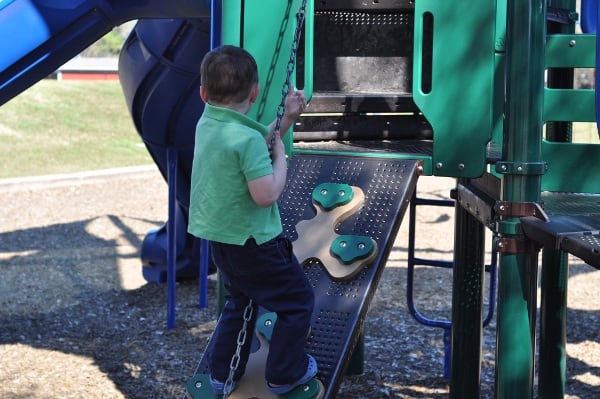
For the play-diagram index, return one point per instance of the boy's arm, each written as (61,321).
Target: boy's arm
(266,190)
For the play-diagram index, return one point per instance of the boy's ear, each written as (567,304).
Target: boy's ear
(203,94)
(254,93)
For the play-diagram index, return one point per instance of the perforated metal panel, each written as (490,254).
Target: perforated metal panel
(578,235)
(574,225)
(341,306)
(360,51)
(585,245)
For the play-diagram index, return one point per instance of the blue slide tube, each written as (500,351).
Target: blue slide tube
(159,70)
(589,17)
(38,36)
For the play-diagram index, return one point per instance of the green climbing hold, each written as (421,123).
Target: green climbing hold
(331,195)
(198,387)
(265,324)
(310,390)
(349,248)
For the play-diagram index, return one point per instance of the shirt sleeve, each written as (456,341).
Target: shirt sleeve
(255,161)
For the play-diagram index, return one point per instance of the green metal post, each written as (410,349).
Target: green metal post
(467,309)
(522,167)
(553,324)
(516,327)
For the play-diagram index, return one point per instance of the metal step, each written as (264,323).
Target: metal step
(574,225)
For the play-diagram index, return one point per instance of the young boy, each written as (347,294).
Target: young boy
(235,182)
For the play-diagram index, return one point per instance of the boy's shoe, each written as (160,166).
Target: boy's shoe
(218,387)
(311,372)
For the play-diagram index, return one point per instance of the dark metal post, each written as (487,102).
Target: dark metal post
(467,299)
(172,159)
(553,324)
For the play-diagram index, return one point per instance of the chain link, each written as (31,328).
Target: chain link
(241,340)
(290,68)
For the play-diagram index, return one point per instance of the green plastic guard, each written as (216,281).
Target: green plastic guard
(349,248)
(331,195)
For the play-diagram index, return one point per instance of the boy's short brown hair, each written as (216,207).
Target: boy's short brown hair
(228,74)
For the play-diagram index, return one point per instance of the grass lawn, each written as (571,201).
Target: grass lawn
(74,126)
(68,126)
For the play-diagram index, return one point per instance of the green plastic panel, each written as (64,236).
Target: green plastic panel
(569,105)
(266,29)
(571,51)
(572,167)
(459,102)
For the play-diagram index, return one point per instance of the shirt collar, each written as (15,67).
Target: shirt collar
(227,115)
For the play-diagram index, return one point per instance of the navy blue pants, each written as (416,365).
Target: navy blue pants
(271,276)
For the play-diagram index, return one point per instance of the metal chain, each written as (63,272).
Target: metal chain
(290,68)
(241,340)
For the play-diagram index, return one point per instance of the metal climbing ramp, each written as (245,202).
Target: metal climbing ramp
(341,305)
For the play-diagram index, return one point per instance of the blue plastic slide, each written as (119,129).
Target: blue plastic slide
(589,17)
(159,72)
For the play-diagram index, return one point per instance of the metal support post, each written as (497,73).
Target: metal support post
(522,151)
(172,159)
(553,324)
(467,300)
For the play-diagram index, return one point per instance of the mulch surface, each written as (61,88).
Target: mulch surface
(78,320)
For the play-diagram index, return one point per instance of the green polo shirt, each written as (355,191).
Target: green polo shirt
(230,150)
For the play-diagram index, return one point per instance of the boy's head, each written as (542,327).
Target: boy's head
(228,75)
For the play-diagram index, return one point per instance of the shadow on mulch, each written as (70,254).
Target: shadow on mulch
(62,292)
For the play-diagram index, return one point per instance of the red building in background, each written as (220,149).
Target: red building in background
(87,68)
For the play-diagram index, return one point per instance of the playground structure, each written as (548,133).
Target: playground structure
(396,91)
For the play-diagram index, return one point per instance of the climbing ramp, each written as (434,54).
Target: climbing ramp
(341,302)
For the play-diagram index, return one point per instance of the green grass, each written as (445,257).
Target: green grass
(74,126)
(68,126)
